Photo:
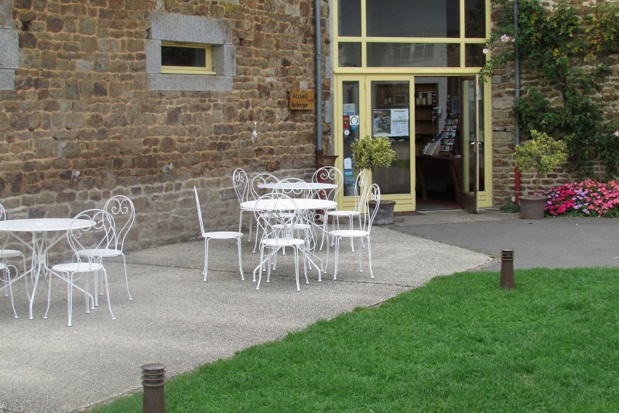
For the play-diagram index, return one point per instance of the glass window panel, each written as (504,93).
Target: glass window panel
(183,56)
(475,18)
(421,18)
(413,55)
(349,17)
(349,54)
(475,56)
(391,118)
(481,138)
(350,101)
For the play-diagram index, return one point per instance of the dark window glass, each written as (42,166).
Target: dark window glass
(183,56)
(475,18)
(419,18)
(475,56)
(349,55)
(413,55)
(349,17)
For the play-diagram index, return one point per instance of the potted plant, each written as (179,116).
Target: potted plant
(370,154)
(541,154)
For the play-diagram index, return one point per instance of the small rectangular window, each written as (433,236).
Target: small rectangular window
(186,58)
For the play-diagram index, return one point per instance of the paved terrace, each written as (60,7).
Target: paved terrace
(182,322)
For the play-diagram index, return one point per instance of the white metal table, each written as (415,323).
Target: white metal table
(45,233)
(297,203)
(310,186)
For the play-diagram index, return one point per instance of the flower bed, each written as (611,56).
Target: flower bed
(585,198)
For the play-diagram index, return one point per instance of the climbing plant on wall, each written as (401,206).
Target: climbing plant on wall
(566,54)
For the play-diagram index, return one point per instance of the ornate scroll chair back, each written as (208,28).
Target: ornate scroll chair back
(240,182)
(217,235)
(122,211)
(84,240)
(294,188)
(279,218)
(256,190)
(331,175)
(368,213)
(361,184)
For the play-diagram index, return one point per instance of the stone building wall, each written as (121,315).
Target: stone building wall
(81,123)
(503,132)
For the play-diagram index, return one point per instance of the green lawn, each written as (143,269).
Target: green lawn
(458,344)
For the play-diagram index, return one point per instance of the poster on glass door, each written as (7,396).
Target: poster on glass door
(390,122)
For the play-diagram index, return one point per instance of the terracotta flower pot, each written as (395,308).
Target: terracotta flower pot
(532,207)
(384,216)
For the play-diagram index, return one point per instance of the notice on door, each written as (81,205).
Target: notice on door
(391,122)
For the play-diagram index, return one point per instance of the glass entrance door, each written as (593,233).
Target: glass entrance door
(377,106)
(473,143)
(390,115)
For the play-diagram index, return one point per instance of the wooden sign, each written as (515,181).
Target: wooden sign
(301,100)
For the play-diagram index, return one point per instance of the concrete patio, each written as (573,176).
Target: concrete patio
(182,322)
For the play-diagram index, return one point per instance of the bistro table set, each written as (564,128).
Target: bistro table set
(286,216)
(92,235)
(283,215)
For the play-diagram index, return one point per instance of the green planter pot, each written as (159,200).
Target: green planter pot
(532,207)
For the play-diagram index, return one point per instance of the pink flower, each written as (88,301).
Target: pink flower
(485,51)
(616,133)
(505,38)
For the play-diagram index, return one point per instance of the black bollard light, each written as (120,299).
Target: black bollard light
(507,269)
(153,380)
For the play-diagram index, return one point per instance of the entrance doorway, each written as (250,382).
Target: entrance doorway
(448,143)
(435,125)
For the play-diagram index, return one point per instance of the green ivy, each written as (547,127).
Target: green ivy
(565,53)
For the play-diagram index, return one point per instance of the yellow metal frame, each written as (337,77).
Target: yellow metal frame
(365,75)
(404,202)
(206,70)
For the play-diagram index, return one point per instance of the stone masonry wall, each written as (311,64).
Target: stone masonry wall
(82,104)
(503,133)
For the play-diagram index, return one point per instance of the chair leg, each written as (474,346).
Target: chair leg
(238,243)
(49,294)
(351,224)
(205,272)
(296,267)
(127,278)
(109,303)
(325,219)
(370,258)
(7,271)
(337,256)
(360,259)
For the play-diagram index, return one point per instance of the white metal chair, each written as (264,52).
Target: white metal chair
(362,187)
(294,188)
(363,233)
(99,236)
(219,235)
(6,253)
(256,190)
(240,182)
(278,217)
(298,188)
(123,211)
(332,175)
